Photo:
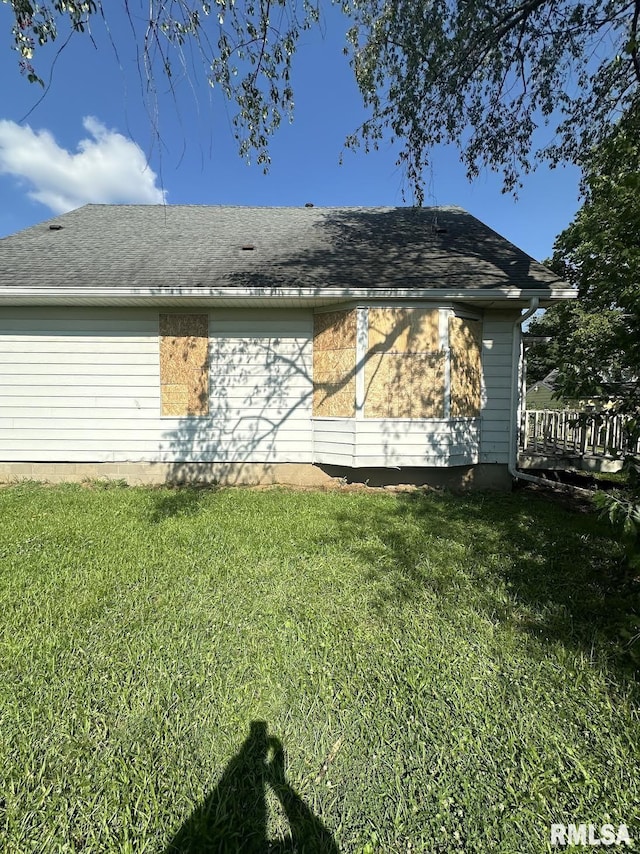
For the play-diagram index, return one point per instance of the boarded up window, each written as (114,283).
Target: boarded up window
(334,364)
(184,364)
(465,343)
(404,370)
(404,330)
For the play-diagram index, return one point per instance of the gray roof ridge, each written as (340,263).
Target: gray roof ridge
(209,205)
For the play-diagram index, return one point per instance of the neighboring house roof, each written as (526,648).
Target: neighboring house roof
(180,249)
(548,382)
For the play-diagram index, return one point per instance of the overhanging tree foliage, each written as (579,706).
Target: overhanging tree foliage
(485,75)
(480,74)
(244,48)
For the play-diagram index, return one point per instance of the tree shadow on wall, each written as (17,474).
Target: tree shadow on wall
(233,817)
(262,395)
(265,390)
(260,392)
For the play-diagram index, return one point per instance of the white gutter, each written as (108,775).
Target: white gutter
(514,427)
(147,295)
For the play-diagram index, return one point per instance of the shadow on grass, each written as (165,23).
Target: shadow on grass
(233,817)
(520,559)
(177,501)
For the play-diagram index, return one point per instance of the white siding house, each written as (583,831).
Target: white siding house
(78,384)
(497,354)
(84,382)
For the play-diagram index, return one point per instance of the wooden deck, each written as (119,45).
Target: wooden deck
(562,439)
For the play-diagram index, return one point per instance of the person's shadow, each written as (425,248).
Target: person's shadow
(233,818)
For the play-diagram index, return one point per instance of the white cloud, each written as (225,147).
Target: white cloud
(106,168)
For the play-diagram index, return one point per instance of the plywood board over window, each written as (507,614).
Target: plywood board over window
(404,369)
(404,330)
(334,364)
(184,364)
(465,343)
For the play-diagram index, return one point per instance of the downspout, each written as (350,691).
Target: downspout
(514,427)
(516,355)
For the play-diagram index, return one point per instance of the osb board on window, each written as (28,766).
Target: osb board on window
(335,330)
(404,385)
(334,384)
(335,400)
(184,365)
(403,330)
(465,342)
(334,363)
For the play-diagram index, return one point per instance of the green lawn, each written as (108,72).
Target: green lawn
(186,670)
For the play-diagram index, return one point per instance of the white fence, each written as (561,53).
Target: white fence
(564,432)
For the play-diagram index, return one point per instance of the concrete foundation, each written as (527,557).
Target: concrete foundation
(155,474)
(462,478)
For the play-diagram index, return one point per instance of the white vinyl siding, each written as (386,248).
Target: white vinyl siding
(497,343)
(78,385)
(437,443)
(82,385)
(396,443)
(334,441)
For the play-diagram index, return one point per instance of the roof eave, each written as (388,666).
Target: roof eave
(160,296)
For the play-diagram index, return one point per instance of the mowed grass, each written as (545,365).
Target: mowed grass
(269,671)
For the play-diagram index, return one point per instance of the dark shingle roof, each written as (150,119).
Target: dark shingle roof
(149,246)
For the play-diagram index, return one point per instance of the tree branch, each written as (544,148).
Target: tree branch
(634,39)
(263,46)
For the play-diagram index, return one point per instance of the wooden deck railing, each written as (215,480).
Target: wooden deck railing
(559,431)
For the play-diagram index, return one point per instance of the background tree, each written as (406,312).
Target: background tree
(479,74)
(596,342)
(583,347)
(544,356)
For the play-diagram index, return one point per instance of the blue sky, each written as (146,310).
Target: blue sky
(90,139)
